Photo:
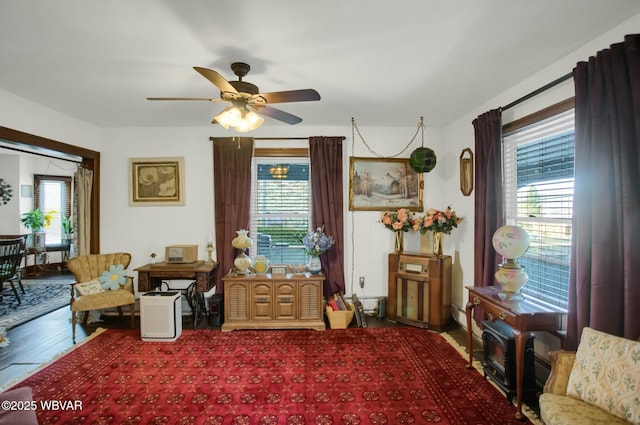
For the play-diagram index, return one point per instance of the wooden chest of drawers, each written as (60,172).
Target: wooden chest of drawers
(273,302)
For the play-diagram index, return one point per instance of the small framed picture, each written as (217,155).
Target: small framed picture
(280,269)
(156,181)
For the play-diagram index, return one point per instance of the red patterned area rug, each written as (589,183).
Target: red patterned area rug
(398,375)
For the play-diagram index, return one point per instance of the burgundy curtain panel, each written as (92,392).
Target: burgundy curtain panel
(488,198)
(325,156)
(604,285)
(232,186)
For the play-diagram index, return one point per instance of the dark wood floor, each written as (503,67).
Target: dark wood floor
(42,339)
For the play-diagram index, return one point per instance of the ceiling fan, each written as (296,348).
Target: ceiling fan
(247,101)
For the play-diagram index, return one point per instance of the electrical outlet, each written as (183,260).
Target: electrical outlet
(362,281)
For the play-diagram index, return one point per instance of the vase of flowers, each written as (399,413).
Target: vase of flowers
(315,244)
(399,222)
(439,223)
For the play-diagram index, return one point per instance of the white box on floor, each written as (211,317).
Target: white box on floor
(160,316)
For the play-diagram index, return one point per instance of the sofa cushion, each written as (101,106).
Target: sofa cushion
(113,278)
(606,374)
(562,410)
(89,288)
(104,299)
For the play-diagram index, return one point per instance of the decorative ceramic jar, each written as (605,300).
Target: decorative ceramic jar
(242,263)
(315,266)
(261,264)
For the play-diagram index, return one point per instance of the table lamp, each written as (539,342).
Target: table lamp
(511,242)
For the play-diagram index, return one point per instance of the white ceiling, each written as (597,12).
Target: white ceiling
(370,59)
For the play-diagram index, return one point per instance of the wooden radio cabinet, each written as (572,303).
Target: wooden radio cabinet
(273,302)
(420,290)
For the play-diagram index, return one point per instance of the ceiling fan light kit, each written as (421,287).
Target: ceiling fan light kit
(239,118)
(248,103)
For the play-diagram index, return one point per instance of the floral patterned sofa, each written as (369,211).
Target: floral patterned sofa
(597,384)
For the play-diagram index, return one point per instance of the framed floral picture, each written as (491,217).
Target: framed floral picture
(156,181)
(377,184)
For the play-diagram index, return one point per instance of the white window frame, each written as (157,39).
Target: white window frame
(553,291)
(255,215)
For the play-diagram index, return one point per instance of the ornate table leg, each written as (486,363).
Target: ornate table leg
(521,339)
(469,312)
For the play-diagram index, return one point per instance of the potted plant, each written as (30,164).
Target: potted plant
(36,221)
(67,227)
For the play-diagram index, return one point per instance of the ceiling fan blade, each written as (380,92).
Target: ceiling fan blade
(186,98)
(216,79)
(278,114)
(291,96)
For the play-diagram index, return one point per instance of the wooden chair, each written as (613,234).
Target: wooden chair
(87,268)
(11,253)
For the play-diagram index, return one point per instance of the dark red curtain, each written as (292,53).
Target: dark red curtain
(604,285)
(232,186)
(325,155)
(488,198)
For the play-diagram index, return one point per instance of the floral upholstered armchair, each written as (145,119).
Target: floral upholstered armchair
(100,283)
(597,384)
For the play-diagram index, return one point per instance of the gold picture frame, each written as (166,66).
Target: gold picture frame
(156,181)
(466,172)
(377,184)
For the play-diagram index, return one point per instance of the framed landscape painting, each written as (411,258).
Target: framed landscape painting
(377,184)
(156,181)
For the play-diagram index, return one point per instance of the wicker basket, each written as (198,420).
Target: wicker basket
(340,319)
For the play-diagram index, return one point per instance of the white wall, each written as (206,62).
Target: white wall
(21,114)
(10,173)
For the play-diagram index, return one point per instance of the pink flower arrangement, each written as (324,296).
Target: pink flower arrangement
(401,220)
(437,221)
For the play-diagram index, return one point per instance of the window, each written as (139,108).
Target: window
(53,193)
(280,208)
(538,194)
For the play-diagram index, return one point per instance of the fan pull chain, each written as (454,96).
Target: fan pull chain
(355,129)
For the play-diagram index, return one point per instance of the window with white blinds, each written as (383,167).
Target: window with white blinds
(53,194)
(538,194)
(280,208)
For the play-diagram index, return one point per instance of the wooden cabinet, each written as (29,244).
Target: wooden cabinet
(273,302)
(420,290)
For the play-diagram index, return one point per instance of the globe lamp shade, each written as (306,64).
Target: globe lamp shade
(511,241)
(422,160)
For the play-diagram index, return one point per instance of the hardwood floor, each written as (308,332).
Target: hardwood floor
(41,340)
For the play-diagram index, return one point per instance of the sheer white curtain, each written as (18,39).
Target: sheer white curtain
(82,210)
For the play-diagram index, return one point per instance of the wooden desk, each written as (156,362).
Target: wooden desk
(150,277)
(524,316)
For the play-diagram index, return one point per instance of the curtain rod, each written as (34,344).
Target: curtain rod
(270,138)
(538,91)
